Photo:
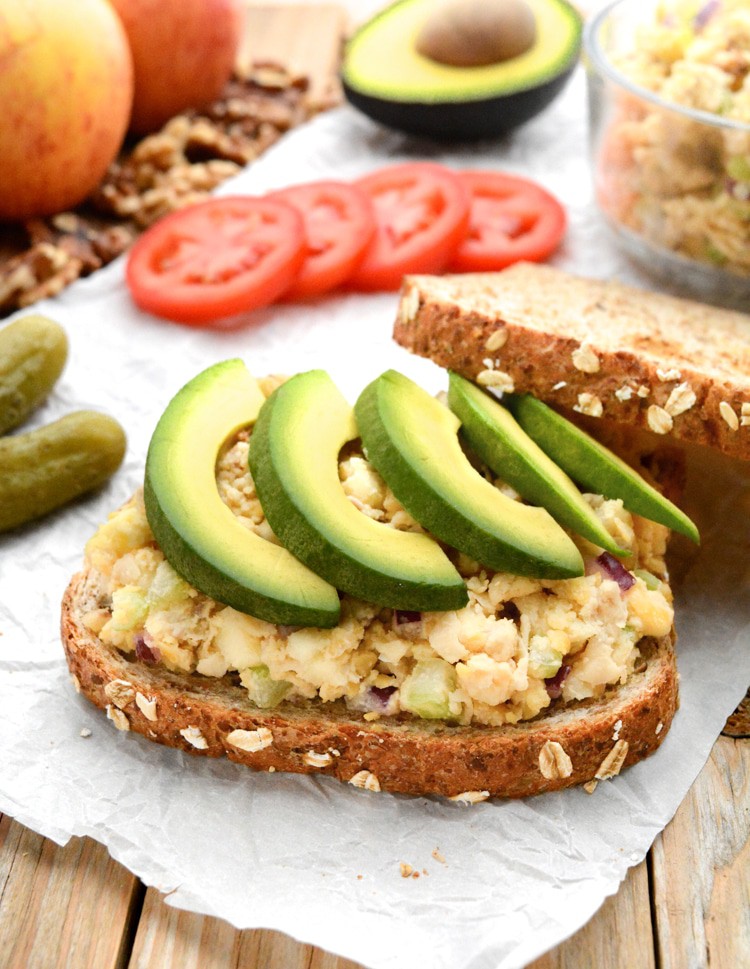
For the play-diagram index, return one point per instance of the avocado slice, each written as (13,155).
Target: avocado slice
(200,536)
(593,466)
(294,453)
(412,439)
(495,436)
(384,75)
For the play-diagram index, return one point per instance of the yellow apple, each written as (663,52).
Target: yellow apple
(183,53)
(66,89)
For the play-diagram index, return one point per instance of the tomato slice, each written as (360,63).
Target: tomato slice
(217,259)
(511,219)
(422,214)
(339,225)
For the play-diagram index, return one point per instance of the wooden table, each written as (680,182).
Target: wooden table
(686,907)
(74,907)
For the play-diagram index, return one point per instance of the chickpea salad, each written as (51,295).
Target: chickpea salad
(518,646)
(683,184)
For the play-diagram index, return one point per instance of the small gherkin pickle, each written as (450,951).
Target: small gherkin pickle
(33,351)
(51,466)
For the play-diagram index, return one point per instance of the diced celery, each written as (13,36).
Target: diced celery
(544,661)
(649,578)
(738,168)
(264,691)
(167,588)
(129,608)
(426,691)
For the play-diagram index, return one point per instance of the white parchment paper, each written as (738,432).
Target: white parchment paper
(308,856)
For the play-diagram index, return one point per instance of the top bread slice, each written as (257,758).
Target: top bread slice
(668,365)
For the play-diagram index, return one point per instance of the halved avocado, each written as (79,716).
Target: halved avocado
(200,536)
(385,76)
(293,456)
(412,439)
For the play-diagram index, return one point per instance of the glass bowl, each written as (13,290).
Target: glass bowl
(673,179)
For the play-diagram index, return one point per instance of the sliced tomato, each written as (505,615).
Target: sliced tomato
(339,225)
(217,259)
(511,219)
(422,214)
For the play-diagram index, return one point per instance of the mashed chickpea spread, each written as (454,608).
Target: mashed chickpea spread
(518,646)
(680,183)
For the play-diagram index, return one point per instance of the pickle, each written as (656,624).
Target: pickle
(33,351)
(49,467)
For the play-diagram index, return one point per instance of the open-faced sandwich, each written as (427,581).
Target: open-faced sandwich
(412,594)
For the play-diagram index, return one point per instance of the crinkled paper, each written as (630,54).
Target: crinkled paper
(308,856)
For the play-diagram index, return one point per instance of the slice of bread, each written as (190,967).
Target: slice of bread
(578,743)
(671,366)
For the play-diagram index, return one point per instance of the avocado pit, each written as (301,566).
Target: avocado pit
(476,33)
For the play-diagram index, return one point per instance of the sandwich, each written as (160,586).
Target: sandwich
(359,592)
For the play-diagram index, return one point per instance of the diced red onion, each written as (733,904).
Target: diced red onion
(705,13)
(145,650)
(375,699)
(554,683)
(382,694)
(407,623)
(612,568)
(737,190)
(509,610)
(403,616)
(285,631)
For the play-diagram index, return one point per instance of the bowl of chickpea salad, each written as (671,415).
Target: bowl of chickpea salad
(669,108)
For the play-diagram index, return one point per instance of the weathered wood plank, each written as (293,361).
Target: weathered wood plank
(62,907)
(701,868)
(171,939)
(306,39)
(618,935)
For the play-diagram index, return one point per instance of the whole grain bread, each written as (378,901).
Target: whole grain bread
(580,743)
(671,366)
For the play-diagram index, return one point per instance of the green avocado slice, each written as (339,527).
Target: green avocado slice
(495,436)
(412,439)
(293,456)
(200,536)
(594,466)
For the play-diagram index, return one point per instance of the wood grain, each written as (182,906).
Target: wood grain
(170,939)
(65,907)
(305,39)
(701,868)
(618,936)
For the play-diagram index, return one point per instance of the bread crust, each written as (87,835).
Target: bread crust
(670,366)
(409,756)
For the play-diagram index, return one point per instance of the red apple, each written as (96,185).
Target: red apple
(66,88)
(183,52)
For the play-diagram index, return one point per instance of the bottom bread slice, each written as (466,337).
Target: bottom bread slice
(578,743)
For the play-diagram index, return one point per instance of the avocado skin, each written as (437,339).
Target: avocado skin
(470,115)
(454,526)
(437,587)
(594,466)
(453,121)
(215,560)
(491,432)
